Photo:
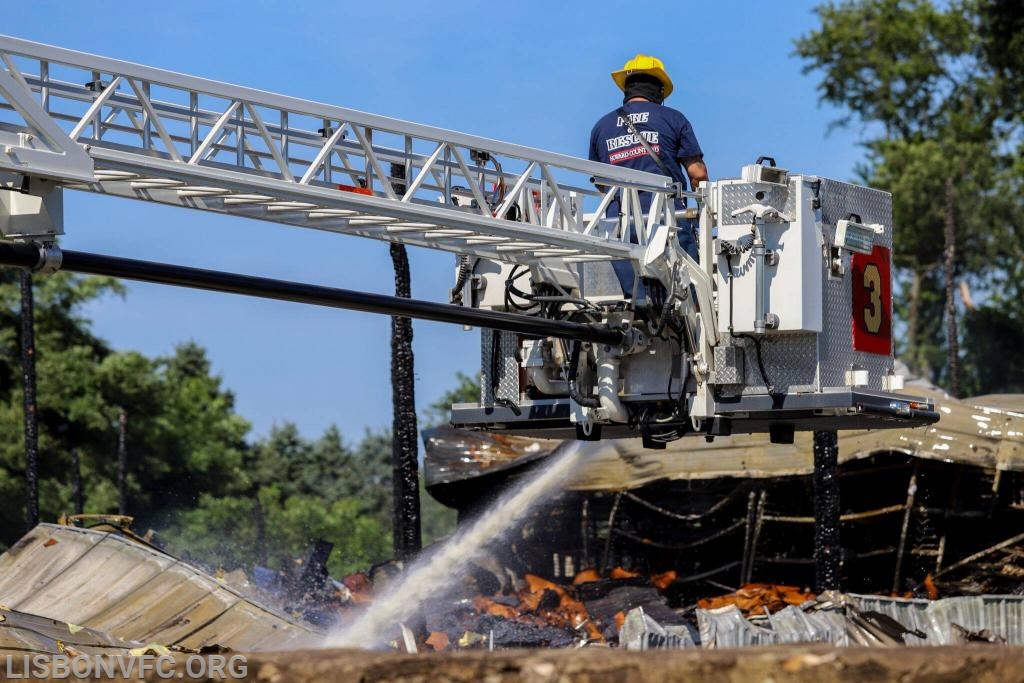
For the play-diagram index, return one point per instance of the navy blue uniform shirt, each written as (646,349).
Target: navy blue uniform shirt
(671,137)
(666,130)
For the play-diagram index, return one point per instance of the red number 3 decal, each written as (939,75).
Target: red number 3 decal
(872,281)
(872,301)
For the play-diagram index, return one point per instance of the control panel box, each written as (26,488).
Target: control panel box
(830,296)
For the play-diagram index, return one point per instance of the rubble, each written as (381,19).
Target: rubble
(641,632)
(869,620)
(681,554)
(932,511)
(715,540)
(619,608)
(633,612)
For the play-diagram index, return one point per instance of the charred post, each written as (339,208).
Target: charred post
(827,551)
(405,467)
(28,376)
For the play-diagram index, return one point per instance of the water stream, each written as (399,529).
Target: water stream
(446,567)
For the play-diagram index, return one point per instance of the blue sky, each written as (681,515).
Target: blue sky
(533,73)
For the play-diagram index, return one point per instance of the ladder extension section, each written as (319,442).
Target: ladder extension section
(161,136)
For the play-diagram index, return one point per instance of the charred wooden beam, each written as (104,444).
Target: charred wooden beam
(406,534)
(28,376)
(827,550)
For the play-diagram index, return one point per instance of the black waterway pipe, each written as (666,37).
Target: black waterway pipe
(36,257)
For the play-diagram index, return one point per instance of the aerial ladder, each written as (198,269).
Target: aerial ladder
(783,324)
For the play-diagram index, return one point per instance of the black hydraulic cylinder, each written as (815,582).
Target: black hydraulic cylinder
(28,256)
(827,548)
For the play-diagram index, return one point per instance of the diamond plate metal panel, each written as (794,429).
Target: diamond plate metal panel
(599,280)
(729,363)
(809,362)
(838,201)
(507,367)
(737,195)
(790,361)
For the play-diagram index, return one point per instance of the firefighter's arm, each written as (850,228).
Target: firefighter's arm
(696,169)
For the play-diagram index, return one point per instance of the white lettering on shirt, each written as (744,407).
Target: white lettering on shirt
(620,141)
(639,117)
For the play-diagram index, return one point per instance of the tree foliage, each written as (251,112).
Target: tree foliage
(466,390)
(184,437)
(937,91)
(210,494)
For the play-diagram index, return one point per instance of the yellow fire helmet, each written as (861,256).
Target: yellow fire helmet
(643,64)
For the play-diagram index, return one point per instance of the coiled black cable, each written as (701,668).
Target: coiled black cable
(461,276)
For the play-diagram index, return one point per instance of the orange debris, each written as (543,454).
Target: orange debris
(620,619)
(536,584)
(482,604)
(569,612)
(438,640)
(530,597)
(663,580)
(360,586)
(755,598)
(929,585)
(620,573)
(586,576)
(358,582)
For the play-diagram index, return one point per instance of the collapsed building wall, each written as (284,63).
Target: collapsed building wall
(943,503)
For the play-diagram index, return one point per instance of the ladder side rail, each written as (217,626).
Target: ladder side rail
(273,145)
(269,133)
(121,103)
(587,247)
(262,98)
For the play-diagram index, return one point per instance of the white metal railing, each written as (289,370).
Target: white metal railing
(161,136)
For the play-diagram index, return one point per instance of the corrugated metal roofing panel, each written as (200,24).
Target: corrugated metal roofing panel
(119,587)
(39,557)
(102,575)
(1002,615)
(244,625)
(30,633)
(160,605)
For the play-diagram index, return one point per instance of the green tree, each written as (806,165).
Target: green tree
(68,356)
(192,477)
(466,390)
(184,437)
(295,491)
(933,88)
